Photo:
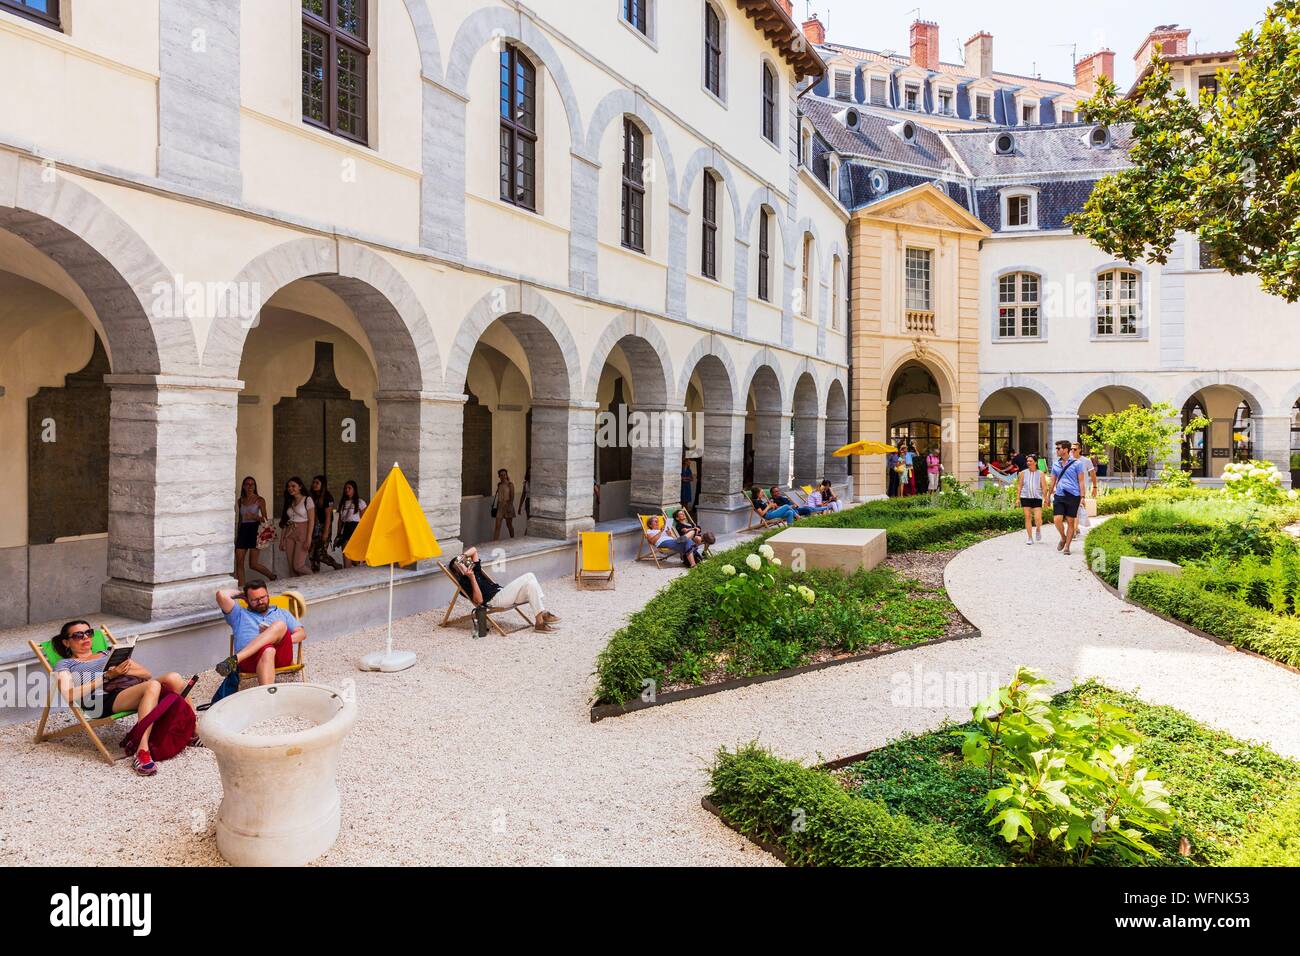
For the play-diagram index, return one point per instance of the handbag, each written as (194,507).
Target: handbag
(494,506)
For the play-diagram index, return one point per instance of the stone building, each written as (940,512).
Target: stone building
(290,237)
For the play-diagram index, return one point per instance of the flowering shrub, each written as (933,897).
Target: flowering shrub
(1257,480)
(1175,478)
(750,598)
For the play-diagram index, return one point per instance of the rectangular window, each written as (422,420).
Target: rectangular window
(1207,86)
(1018,305)
(912,98)
(1067,116)
(764,257)
(879,91)
(1208,259)
(945,102)
(917,271)
(712,51)
(983,107)
(1028,114)
(633,187)
(709,258)
(805,307)
(1119,307)
(634,12)
(1018,211)
(518,108)
(995,439)
(335,64)
(769,103)
(42,11)
(843,85)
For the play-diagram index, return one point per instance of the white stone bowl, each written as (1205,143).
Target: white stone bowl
(280,803)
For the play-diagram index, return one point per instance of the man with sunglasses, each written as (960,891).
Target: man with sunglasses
(264,635)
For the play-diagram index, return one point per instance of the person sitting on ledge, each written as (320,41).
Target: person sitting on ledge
(688,529)
(663,540)
(264,635)
(803,511)
(826,495)
(483,591)
(770,510)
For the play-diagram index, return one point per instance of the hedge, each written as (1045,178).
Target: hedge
(816,822)
(1276,842)
(1223,616)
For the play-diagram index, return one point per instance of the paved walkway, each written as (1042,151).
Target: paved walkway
(483,753)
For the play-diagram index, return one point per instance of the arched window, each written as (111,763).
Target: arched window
(1018,303)
(335,66)
(764,255)
(836,305)
(713,51)
(805,147)
(633,186)
(805,307)
(709,246)
(769,103)
(1119,303)
(518,128)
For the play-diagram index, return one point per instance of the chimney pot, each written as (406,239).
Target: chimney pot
(814,31)
(925,44)
(1093,66)
(979,54)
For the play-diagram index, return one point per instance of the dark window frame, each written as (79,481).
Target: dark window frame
(709,237)
(713,50)
(633,214)
(636,14)
(519,137)
(764,255)
(48,18)
(336,38)
(769,86)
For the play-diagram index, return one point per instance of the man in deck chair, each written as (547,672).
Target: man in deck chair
(525,589)
(662,539)
(264,635)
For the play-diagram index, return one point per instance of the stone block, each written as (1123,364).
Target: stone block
(1130,567)
(845,548)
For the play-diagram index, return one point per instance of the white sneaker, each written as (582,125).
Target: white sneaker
(1030,541)
(1039,534)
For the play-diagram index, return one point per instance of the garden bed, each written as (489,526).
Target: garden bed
(686,641)
(916,802)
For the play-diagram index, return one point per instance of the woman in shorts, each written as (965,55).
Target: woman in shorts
(1029,489)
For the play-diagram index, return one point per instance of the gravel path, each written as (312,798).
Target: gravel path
(483,753)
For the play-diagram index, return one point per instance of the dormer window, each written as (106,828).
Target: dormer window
(912,98)
(879,91)
(833,176)
(1099,137)
(1068,116)
(1028,114)
(1019,209)
(843,85)
(908,132)
(1004,144)
(984,107)
(945,102)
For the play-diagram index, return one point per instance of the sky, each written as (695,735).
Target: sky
(1036,38)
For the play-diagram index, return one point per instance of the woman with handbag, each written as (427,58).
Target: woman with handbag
(250,511)
(297,519)
(84,682)
(503,504)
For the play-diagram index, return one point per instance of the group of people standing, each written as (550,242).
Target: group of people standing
(310,524)
(908,472)
(1067,484)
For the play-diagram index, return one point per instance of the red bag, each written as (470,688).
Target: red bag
(173,725)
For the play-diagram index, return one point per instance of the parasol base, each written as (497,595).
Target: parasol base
(387,662)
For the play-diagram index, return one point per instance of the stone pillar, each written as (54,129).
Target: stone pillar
(1173,455)
(720,485)
(563,466)
(1064,428)
(172,487)
(657,458)
(740,290)
(837,436)
(583,226)
(772,448)
(809,448)
(422,432)
(1272,442)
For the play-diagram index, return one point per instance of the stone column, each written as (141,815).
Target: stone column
(171,478)
(1272,442)
(720,486)
(772,448)
(1064,428)
(837,436)
(809,448)
(657,458)
(422,432)
(563,466)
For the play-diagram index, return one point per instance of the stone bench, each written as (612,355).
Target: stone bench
(1130,567)
(845,548)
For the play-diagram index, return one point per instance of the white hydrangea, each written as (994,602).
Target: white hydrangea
(767,552)
(729,570)
(754,562)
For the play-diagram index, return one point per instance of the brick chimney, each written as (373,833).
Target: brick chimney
(814,31)
(1173,42)
(979,54)
(1090,68)
(788,7)
(925,45)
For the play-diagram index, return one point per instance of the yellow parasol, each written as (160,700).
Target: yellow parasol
(392,531)
(864,448)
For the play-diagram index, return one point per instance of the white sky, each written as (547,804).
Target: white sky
(1034,38)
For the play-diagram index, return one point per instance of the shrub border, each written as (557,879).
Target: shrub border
(604,711)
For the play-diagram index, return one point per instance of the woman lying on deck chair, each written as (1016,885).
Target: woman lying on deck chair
(688,530)
(482,590)
(85,683)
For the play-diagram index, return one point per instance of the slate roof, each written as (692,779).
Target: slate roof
(1040,149)
(874,136)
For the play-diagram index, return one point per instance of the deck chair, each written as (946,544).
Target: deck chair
(295,604)
(458,592)
(671,524)
(756,521)
(646,551)
(48,656)
(594,558)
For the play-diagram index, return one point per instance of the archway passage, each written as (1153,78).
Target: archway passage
(809,432)
(1235,433)
(915,421)
(716,438)
(767,431)
(1104,401)
(1016,419)
(836,470)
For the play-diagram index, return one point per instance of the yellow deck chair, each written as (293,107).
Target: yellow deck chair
(594,558)
(295,604)
(48,656)
(646,551)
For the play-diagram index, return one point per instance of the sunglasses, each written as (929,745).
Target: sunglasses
(81,635)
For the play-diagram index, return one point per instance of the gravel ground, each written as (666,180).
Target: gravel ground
(483,753)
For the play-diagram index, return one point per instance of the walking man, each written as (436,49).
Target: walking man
(1068,479)
(1089,479)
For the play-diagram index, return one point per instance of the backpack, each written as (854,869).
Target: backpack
(173,728)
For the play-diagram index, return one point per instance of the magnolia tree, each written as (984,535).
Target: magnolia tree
(1224,165)
(1139,434)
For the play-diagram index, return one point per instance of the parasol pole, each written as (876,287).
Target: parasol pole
(390,609)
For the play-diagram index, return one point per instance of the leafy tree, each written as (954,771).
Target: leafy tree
(1226,168)
(1139,434)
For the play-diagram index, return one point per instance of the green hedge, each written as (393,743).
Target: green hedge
(1276,842)
(1219,614)
(1119,501)
(816,822)
(1104,545)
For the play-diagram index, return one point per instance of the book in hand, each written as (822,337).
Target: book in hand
(121,654)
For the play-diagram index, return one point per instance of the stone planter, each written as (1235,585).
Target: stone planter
(280,802)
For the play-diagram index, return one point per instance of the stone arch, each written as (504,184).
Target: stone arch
(387,308)
(809,433)
(627,103)
(1039,387)
(1289,401)
(764,197)
(1143,387)
(706,157)
(773,389)
(426,37)
(722,374)
(649,348)
(1254,396)
(807,227)
(806,367)
(837,430)
(481,26)
(120,275)
(935,364)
